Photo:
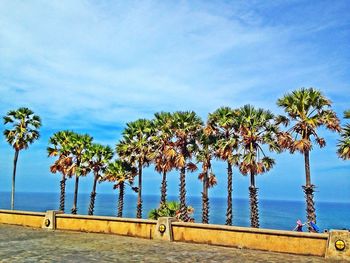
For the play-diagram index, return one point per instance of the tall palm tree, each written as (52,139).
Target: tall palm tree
(344,143)
(204,155)
(80,145)
(163,154)
(308,109)
(121,173)
(25,130)
(134,148)
(98,157)
(257,128)
(222,124)
(185,126)
(60,145)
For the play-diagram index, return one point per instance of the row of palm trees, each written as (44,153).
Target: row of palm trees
(77,155)
(181,141)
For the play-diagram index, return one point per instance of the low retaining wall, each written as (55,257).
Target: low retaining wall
(335,245)
(101,224)
(23,218)
(243,237)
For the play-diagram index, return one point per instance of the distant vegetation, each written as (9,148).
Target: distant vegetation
(181,141)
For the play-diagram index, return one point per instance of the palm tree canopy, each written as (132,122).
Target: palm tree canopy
(25,128)
(162,121)
(80,145)
(223,124)
(186,126)
(222,121)
(135,144)
(308,109)
(344,143)
(162,153)
(257,127)
(98,157)
(119,171)
(60,144)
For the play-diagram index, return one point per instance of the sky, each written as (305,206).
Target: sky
(92,66)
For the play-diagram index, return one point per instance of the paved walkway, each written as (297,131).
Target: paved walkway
(23,244)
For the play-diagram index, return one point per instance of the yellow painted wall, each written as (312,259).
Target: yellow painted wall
(127,227)
(22,218)
(242,237)
(262,239)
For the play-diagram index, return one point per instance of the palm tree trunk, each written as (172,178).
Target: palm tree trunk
(93,196)
(163,190)
(139,196)
(309,190)
(63,192)
(307,168)
(205,200)
(121,200)
(74,208)
(229,213)
(183,207)
(253,196)
(14,179)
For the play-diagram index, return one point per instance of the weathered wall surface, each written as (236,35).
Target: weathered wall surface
(100,224)
(242,237)
(338,245)
(23,218)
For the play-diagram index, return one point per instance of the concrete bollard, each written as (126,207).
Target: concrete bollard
(338,247)
(50,219)
(163,229)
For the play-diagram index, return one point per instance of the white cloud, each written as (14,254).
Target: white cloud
(80,63)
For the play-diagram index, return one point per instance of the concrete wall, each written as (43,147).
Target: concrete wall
(23,218)
(242,237)
(100,224)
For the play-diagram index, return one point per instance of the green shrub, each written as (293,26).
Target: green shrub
(170,209)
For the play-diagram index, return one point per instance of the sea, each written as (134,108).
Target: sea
(274,214)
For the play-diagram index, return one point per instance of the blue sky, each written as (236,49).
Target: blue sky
(92,66)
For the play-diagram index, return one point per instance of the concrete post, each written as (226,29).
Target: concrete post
(338,247)
(50,219)
(163,229)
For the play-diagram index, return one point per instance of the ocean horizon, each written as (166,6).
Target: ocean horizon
(274,214)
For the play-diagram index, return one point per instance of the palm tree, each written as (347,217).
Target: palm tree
(60,145)
(204,155)
(25,130)
(98,157)
(185,126)
(163,154)
(308,110)
(257,127)
(80,145)
(121,173)
(222,124)
(344,143)
(134,148)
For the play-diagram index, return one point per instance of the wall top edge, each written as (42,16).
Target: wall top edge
(19,212)
(109,218)
(253,230)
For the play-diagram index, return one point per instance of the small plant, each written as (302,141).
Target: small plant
(171,209)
